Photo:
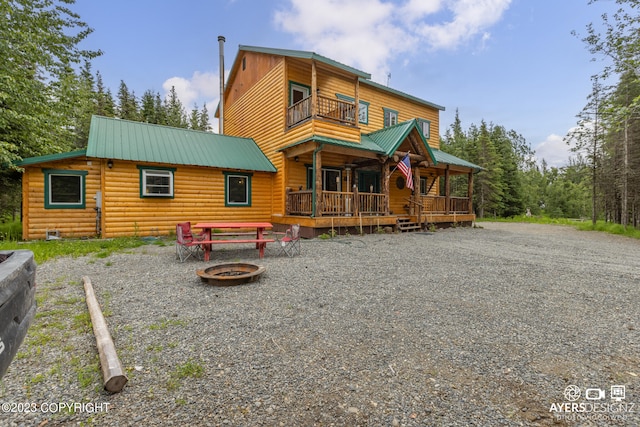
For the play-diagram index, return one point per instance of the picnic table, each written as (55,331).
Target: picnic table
(208,227)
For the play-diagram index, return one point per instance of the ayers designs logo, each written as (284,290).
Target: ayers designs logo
(593,404)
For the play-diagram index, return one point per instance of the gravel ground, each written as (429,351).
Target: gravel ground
(462,327)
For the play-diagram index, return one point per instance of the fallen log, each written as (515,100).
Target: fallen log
(112,373)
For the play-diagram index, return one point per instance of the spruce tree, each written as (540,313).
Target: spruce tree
(127,103)
(194,118)
(204,119)
(105,105)
(174,110)
(148,111)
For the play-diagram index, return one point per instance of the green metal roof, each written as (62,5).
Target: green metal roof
(402,94)
(51,157)
(111,138)
(302,54)
(365,144)
(386,141)
(364,77)
(450,159)
(390,138)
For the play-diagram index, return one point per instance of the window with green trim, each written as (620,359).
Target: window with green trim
(331,179)
(64,189)
(425,126)
(156,182)
(423,186)
(237,189)
(298,92)
(390,117)
(363,108)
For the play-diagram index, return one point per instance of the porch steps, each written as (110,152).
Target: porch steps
(405,225)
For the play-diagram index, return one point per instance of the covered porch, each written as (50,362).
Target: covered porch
(332,184)
(366,212)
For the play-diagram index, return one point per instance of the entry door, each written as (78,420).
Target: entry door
(367,181)
(298,93)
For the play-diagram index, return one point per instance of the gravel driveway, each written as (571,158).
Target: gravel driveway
(462,327)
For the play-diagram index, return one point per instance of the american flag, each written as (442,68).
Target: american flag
(405,168)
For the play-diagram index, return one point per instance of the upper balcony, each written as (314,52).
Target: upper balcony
(343,112)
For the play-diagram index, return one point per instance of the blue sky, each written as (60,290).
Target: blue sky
(513,63)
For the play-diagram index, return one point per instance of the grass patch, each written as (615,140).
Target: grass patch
(611,228)
(189,369)
(580,224)
(45,250)
(82,322)
(11,230)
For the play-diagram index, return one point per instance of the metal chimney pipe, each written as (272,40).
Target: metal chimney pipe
(221,41)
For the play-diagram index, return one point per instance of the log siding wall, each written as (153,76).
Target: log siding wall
(199,195)
(74,222)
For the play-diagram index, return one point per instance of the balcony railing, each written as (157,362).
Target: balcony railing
(328,108)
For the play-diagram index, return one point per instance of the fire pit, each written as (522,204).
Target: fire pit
(231,274)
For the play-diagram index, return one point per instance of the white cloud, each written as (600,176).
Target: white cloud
(368,34)
(554,150)
(470,17)
(200,89)
(193,90)
(355,32)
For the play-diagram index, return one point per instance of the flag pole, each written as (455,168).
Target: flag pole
(394,169)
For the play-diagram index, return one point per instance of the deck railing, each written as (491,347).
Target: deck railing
(371,203)
(299,203)
(438,205)
(341,203)
(336,203)
(330,108)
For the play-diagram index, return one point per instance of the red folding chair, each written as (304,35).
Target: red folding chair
(187,243)
(289,242)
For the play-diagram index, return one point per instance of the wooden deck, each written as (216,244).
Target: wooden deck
(312,227)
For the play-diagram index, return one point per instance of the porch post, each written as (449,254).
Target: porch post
(318,178)
(314,89)
(287,203)
(356,112)
(356,201)
(470,191)
(385,185)
(447,191)
(416,194)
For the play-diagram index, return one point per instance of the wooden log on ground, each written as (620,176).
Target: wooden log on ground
(112,373)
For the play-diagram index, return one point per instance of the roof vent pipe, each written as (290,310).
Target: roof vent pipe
(221,41)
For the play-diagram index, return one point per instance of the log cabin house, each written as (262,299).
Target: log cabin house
(336,137)
(142,179)
(307,140)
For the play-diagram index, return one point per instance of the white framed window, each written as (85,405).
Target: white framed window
(425,127)
(155,182)
(390,117)
(363,108)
